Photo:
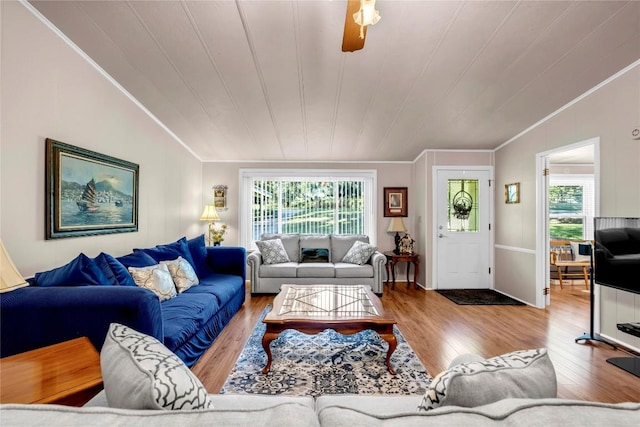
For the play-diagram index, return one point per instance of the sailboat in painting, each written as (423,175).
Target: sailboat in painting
(87,202)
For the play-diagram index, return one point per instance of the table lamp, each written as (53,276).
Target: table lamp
(210,214)
(397,226)
(10,277)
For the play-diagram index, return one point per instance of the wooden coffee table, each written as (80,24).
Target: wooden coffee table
(311,309)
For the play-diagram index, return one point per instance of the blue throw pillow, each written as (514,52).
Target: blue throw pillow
(137,258)
(199,255)
(170,251)
(114,270)
(79,272)
(102,263)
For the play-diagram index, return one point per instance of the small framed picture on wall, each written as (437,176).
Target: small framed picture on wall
(395,201)
(512,193)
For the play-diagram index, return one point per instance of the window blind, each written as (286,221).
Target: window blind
(317,201)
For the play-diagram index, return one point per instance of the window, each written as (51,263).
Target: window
(306,201)
(571,206)
(463,205)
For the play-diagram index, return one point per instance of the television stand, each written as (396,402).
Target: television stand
(629,364)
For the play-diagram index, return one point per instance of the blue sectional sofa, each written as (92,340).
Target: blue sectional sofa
(83,297)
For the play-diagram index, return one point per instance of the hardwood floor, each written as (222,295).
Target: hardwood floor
(438,330)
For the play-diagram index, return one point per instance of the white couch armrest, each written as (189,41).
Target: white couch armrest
(254,261)
(378,261)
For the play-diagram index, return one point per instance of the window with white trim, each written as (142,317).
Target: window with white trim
(306,201)
(571,206)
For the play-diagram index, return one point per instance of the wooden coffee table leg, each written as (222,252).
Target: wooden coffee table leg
(266,342)
(391,339)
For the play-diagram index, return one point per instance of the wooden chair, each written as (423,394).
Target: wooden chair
(561,257)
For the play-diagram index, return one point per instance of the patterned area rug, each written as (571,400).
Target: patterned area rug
(326,363)
(478,297)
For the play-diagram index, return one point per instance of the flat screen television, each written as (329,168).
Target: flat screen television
(617,253)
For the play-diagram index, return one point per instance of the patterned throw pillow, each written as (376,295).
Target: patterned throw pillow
(359,253)
(182,273)
(156,278)
(139,372)
(272,251)
(521,374)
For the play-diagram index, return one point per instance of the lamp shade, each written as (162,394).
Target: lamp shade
(396,225)
(209,214)
(10,277)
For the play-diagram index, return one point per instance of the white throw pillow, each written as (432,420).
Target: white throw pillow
(156,278)
(575,249)
(521,374)
(182,273)
(272,251)
(359,253)
(139,372)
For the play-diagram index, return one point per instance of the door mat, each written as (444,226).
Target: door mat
(326,363)
(478,297)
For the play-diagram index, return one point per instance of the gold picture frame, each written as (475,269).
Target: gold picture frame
(512,193)
(88,193)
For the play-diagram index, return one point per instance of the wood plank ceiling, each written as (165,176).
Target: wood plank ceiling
(266,80)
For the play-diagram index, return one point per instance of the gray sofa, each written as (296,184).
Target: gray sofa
(267,278)
(333,411)
(513,389)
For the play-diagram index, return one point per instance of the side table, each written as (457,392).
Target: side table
(67,373)
(393,259)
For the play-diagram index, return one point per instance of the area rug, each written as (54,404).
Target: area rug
(326,363)
(478,297)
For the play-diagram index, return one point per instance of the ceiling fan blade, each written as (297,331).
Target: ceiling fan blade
(351,40)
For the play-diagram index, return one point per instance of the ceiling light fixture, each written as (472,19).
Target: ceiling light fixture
(367,15)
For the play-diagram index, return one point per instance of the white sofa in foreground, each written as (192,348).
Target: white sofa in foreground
(333,411)
(311,259)
(157,389)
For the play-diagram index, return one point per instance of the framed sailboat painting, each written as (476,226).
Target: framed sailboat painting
(88,193)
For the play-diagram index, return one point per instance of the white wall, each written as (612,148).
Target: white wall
(610,113)
(49,91)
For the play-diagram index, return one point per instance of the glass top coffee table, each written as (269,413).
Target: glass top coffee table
(311,309)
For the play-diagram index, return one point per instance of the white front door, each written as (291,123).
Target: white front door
(462,236)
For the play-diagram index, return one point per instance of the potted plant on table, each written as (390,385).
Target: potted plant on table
(217,235)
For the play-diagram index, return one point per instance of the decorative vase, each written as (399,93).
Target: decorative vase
(216,243)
